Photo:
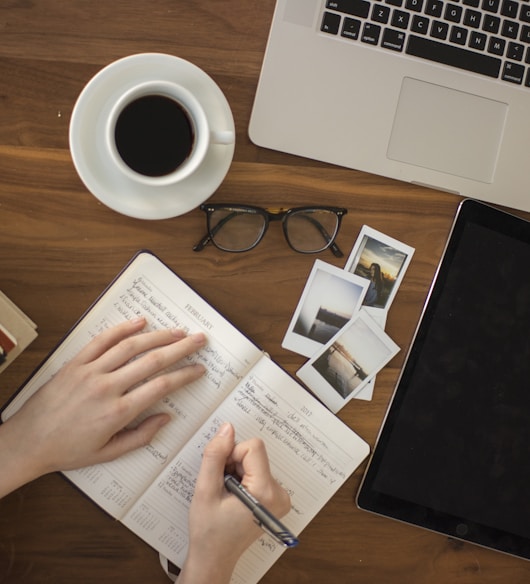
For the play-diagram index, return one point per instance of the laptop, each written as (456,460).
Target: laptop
(452,455)
(433,92)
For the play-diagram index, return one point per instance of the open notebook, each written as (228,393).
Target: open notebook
(312,452)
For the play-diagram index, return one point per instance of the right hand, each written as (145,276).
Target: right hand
(221,527)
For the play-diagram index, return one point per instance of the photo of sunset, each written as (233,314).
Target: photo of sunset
(381,264)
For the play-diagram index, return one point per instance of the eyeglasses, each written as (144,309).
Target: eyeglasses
(238,228)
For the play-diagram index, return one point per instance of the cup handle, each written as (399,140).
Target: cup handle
(222,137)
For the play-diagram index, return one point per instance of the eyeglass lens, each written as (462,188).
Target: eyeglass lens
(236,230)
(311,230)
(307,231)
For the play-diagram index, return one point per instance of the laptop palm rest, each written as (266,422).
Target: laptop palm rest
(469,130)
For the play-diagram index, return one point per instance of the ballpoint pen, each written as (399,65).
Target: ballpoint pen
(264,518)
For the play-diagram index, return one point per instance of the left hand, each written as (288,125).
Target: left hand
(78,417)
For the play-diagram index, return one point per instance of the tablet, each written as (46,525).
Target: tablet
(453,453)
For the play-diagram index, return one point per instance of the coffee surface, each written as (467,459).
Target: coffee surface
(154,135)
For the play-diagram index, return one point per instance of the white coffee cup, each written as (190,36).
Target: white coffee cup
(118,181)
(158,134)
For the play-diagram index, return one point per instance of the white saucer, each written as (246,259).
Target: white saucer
(87,138)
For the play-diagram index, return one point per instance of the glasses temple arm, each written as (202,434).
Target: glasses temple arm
(202,243)
(337,252)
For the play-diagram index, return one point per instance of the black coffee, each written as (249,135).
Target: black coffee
(153,135)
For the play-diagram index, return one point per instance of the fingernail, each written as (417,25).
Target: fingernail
(178,333)
(224,429)
(138,320)
(199,338)
(163,420)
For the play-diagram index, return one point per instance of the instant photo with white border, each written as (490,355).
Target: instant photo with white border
(331,297)
(347,363)
(367,392)
(382,261)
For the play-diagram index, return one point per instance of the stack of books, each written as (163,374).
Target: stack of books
(17,331)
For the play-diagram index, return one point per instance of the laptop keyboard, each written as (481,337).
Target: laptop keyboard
(488,37)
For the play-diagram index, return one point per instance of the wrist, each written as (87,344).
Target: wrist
(18,466)
(207,568)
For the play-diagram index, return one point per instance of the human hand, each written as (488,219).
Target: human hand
(79,417)
(221,527)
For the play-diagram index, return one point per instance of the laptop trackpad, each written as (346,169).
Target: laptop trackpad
(447,130)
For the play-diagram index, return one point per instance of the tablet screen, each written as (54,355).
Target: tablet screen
(454,451)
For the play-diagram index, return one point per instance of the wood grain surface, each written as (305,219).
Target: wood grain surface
(61,246)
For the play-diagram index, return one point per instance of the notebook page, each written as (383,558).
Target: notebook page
(150,289)
(311,451)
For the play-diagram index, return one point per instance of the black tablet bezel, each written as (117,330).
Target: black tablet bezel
(368,498)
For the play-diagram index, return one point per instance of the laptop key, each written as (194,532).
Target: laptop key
(359,8)
(420,24)
(400,19)
(330,23)
(414,5)
(525,13)
(434,8)
(478,41)
(380,13)
(510,29)
(393,39)
(458,35)
(509,8)
(525,34)
(496,46)
(513,72)
(453,56)
(439,29)
(351,28)
(371,33)
(491,5)
(515,51)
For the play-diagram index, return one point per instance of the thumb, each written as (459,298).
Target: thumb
(216,455)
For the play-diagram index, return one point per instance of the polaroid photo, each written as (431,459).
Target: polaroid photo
(367,392)
(348,362)
(379,316)
(331,297)
(382,261)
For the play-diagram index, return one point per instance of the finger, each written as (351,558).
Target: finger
(131,439)
(108,339)
(153,390)
(134,346)
(210,480)
(156,358)
(253,466)
(251,460)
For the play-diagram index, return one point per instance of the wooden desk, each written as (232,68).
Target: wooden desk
(61,247)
